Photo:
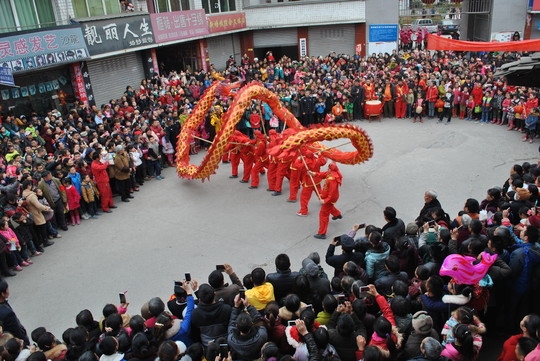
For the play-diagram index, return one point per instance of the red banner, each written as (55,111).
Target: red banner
(77,82)
(436,42)
(226,22)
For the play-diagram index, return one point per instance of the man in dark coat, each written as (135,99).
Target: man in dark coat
(283,280)
(348,254)
(10,321)
(431,203)
(358,95)
(307,109)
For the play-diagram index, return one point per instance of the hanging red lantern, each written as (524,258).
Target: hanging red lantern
(456,1)
(428,2)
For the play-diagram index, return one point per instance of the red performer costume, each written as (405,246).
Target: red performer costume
(275,140)
(401,104)
(284,161)
(369,90)
(260,158)
(101,177)
(297,170)
(247,153)
(309,183)
(329,197)
(241,149)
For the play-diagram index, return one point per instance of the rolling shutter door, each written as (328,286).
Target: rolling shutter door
(221,47)
(325,39)
(111,76)
(275,37)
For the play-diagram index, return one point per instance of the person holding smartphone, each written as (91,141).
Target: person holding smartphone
(246,332)
(225,291)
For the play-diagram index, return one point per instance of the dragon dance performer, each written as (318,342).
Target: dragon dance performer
(260,159)
(283,165)
(296,172)
(309,183)
(329,197)
(275,140)
(241,148)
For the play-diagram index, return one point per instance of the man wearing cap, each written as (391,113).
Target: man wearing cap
(422,324)
(122,173)
(348,254)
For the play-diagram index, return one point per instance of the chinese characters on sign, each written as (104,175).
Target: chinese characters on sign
(179,25)
(106,36)
(43,48)
(226,22)
(303,47)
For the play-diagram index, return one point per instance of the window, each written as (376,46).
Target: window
(25,14)
(163,6)
(218,6)
(88,8)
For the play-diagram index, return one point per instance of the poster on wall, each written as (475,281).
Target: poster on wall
(503,36)
(376,48)
(382,38)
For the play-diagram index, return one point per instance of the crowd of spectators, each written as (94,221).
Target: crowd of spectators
(434,288)
(386,294)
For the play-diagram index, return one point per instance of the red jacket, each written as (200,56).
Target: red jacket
(508,352)
(330,192)
(73,197)
(432,93)
(99,170)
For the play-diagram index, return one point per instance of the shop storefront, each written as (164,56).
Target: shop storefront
(280,41)
(40,63)
(178,34)
(118,57)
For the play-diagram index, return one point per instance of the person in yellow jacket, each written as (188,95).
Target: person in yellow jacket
(262,292)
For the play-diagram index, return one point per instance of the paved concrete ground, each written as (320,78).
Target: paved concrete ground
(175,226)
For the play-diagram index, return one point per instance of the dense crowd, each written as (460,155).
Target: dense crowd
(430,289)
(391,296)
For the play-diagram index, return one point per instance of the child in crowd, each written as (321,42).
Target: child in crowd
(74,201)
(506,105)
(470,107)
(530,125)
(418,107)
(12,246)
(411,104)
(90,195)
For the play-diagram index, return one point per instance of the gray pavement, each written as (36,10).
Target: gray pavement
(175,226)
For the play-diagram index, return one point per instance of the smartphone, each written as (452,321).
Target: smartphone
(122,297)
(242,293)
(188,277)
(364,289)
(431,222)
(220,268)
(337,239)
(291,323)
(341,299)
(361,225)
(223,350)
